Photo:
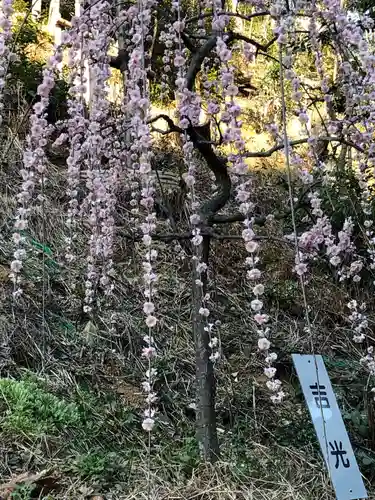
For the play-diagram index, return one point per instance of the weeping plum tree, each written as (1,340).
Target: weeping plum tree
(192,51)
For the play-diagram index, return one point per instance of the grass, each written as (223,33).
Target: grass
(70,399)
(77,412)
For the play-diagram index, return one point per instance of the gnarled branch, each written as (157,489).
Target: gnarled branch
(229,14)
(218,167)
(172,126)
(297,142)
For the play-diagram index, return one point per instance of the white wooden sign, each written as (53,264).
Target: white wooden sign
(330,428)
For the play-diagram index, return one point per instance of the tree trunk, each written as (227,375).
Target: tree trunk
(206,431)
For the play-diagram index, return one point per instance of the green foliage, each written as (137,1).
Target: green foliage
(20,6)
(359,421)
(156,92)
(58,109)
(102,465)
(188,455)
(25,74)
(341,198)
(95,431)
(22,492)
(271,77)
(367,6)
(342,365)
(28,410)
(67,9)
(366,460)
(27,31)
(285,292)
(297,429)
(182,455)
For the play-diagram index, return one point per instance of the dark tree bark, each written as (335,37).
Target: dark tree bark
(206,431)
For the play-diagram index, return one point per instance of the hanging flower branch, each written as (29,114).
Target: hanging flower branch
(6,39)
(189,109)
(340,250)
(34,164)
(101,183)
(139,104)
(76,127)
(231,117)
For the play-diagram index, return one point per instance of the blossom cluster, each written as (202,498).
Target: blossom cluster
(340,250)
(230,116)
(358,320)
(100,201)
(138,105)
(261,319)
(74,129)
(34,171)
(189,105)
(6,54)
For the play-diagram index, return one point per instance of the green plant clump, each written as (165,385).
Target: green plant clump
(28,410)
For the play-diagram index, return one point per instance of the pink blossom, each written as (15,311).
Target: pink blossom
(148,424)
(148,307)
(203,311)
(301,269)
(270,372)
(149,352)
(258,289)
(253,274)
(261,319)
(256,305)
(264,344)
(151,321)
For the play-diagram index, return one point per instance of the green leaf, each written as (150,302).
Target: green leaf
(368,461)
(363,430)
(356,418)
(44,248)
